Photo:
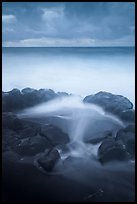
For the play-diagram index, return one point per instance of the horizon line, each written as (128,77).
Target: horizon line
(64,46)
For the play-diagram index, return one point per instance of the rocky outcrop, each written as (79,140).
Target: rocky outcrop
(15,99)
(115,104)
(126,137)
(111,150)
(32,145)
(10,120)
(54,134)
(29,138)
(49,160)
(98,137)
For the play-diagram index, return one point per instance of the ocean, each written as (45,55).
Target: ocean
(80,70)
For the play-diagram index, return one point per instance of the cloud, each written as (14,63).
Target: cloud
(41,22)
(52,13)
(72,42)
(53,19)
(8,18)
(47,42)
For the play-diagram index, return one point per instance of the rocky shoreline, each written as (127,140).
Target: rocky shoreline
(41,143)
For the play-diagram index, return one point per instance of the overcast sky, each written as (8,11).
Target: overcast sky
(68,24)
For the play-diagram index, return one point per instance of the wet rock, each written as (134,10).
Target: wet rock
(16,100)
(9,139)
(111,150)
(33,145)
(54,134)
(112,103)
(28,132)
(128,115)
(99,137)
(26,124)
(11,121)
(27,90)
(49,160)
(126,136)
(130,128)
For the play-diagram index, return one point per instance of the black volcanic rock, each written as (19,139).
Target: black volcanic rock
(27,90)
(17,100)
(99,137)
(128,115)
(32,145)
(112,103)
(62,94)
(10,120)
(54,134)
(126,136)
(28,132)
(49,160)
(111,150)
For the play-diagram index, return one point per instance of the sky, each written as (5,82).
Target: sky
(44,24)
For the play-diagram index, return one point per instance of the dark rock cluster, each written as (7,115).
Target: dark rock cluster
(27,138)
(23,137)
(15,99)
(115,104)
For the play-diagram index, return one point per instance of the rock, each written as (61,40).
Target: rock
(99,137)
(17,100)
(111,150)
(33,145)
(128,115)
(49,160)
(27,90)
(12,100)
(27,124)
(126,137)
(130,128)
(112,103)
(62,94)
(54,134)
(28,132)
(11,121)
(9,139)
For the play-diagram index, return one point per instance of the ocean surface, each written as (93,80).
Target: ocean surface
(80,71)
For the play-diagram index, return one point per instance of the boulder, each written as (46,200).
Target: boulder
(130,128)
(126,136)
(11,121)
(54,134)
(27,90)
(49,160)
(111,150)
(128,115)
(9,139)
(28,132)
(115,104)
(33,145)
(17,100)
(99,137)
(27,124)
(12,100)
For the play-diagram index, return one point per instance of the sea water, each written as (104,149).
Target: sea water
(81,70)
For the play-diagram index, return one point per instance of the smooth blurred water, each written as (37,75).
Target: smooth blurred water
(81,71)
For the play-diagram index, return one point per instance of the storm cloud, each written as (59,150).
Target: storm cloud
(68,24)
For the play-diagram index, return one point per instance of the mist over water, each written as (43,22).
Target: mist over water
(82,120)
(110,181)
(80,71)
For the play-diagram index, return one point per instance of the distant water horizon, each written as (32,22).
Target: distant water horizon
(77,70)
